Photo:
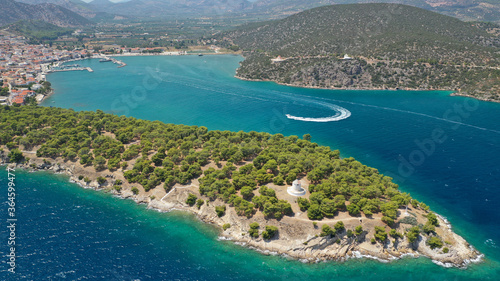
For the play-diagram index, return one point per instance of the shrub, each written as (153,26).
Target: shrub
(199,203)
(270,232)
(395,234)
(101,180)
(326,231)
(254,230)
(226,226)
(412,235)
(314,212)
(135,190)
(380,233)
(247,192)
(279,180)
(424,207)
(11,145)
(388,220)
(358,230)
(99,163)
(414,203)
(339,226)
(446,250)
(353,209)
(428,227)
(220,210)
(327,207)
(191,199)
(167,187)
(434,242)
(15,156)
(409,220)
(303,204)
(432,219)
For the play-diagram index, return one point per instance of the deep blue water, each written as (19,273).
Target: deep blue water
(441,149)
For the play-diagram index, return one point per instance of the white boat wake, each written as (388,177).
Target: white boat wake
(341,114)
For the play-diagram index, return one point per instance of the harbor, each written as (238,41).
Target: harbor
(113,60)
(70,69)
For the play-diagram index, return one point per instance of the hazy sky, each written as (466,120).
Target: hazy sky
(114,1)
(117,1)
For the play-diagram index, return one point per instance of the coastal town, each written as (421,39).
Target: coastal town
(23,66)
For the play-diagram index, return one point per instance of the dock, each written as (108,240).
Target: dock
(113,60)
(119,62)
(71,69)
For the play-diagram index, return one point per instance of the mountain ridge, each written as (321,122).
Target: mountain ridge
(394,46)
(12,11)
(467,10)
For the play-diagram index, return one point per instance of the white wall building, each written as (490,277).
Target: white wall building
(296,189)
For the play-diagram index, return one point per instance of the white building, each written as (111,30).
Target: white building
(296,189)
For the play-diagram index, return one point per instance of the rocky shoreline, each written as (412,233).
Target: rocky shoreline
(455,93)
(462,94)
(297,238)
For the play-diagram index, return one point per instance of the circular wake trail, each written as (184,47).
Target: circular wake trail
(341,114)
(401,111)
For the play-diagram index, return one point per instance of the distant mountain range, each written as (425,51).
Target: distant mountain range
(468,10)
(11,11)
(151,8)
(82,8)
(164,8)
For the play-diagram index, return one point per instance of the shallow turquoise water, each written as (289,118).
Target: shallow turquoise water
(390,130)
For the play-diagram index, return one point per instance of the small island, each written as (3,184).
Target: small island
(277,194)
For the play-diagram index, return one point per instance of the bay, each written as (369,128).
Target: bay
(441,149)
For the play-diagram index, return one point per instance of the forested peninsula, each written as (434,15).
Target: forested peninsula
(237,181)
(371,46)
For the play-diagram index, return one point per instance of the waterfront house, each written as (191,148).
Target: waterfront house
(18,100)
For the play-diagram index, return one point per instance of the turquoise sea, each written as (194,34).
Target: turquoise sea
(441,149)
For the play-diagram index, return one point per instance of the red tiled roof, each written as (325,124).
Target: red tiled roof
(18,100)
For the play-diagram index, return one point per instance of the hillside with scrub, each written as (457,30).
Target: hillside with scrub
(390,46)
(237,180)
(467,10)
